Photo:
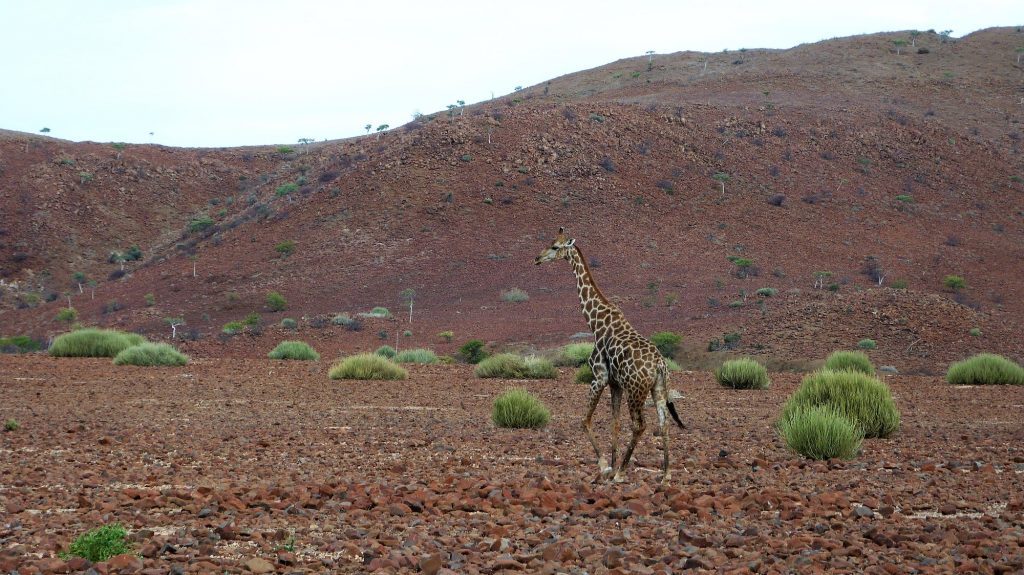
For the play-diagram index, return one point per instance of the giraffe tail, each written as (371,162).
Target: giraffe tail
(663,375)
(675,416)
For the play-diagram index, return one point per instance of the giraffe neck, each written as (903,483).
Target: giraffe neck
(600,312)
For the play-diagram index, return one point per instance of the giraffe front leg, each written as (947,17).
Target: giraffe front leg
(616,393)
(636,417)
(596,388)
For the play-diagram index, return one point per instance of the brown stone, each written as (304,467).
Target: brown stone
(259,565)
(431,564)
(126,563)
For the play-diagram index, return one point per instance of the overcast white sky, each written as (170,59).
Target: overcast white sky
(236,72)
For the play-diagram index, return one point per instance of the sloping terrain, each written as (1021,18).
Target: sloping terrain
(805,160)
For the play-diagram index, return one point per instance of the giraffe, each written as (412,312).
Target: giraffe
(622,360)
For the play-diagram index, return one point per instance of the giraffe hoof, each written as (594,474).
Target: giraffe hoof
(606,473)
(618,478)
(665,479)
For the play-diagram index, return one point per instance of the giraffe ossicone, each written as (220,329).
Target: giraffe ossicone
(623,360)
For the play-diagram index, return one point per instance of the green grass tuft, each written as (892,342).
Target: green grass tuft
(367,366)
(517,408)
(849,360)
(18,344)
(11,425)
(743,373)
(294,350)
(92,342)
(100,544)
(985,369)
(386,351)
(863,399)
(821,432)
(540,368)
(511,366)
(867,344)
(574,354)
(419,355)
(584,374)
(151,354)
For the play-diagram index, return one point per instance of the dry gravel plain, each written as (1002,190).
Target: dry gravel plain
(247,465)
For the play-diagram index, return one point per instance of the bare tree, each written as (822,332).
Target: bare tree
(174,322)
(408,296)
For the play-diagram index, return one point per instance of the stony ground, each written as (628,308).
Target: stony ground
(236,466)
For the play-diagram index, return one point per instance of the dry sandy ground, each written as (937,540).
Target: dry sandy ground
(236,466)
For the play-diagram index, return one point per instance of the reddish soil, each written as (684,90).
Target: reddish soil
(237,465)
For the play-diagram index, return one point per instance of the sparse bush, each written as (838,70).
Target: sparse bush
(540,368)
(289,323)
(11,425)
(473,351)
(954,283)
(584,374)
(767,292)
(867,344)
(233,328)
(416,356)
(505,365)
(199,223)
(667,343)
(975,331)
(743,373)
(100,544)
(517,408)
(151,354)
(821,432)
(19,344)
(285,248)
(276,301)
(386,351)
(863,399)
(574,354)
(285,189)
(150,299)
(849,360)
(367,366)
(68,314)
(92,342)
(985,369)
(514,295)
(898,284)
(446,335)
(294,350)
(379,312)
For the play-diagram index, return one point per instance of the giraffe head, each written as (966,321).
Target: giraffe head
(559,248)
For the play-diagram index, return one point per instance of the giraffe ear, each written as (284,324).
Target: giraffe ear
(570,243)
(561,230)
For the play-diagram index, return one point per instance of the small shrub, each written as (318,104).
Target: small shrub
(849,360)
(289,323)
(407,333)
(199,223)
(367,366)
(446,335)
(867,344)
(667,343)
(416,356)
(743,373)
(150,299)
(904,198)
(285,189)
(68,314)
(386,351)
(899,284)
(100,544)
(975,331)
(514,295)
(985,369)
(505,365)
(574,354)
(863,399)
(954,282)
(540,368)
(276,301)
(151,354)
(584,374)
(11,425)
(820,432)
(767,292)
(92,342)
(18,344)
(473,351)
(112,306)
(518,409)
(285,248)
(294,350)
(379,312)
(233,328)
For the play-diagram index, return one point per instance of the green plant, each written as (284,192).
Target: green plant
(904,198)
(386,351)
(18,344)
(574,354)
(407,333)
(767,292)
(285,248)
(93,342)
(285,189)
(233,328)
(416,356)
(518,409)
(985,369)
(540,368)
(289,323)
(514,295)
(276,301)
(446,335)
(820,432)
(285,149)
(743,373)
(11,424)
(975,331)
(954,283)
(473,351)
(505,365)
(743,265)
(199,223)
(867,344)
(150,354)
(863,399)
(294,350)
(100,544)
(584,374)
(849,360)
(379,312)
(667,343)
(722,178)
(899,284)
(68,314)
(367,366)
(150,299)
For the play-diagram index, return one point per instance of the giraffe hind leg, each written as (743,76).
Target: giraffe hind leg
(596,388)
(616,398)
(636,416)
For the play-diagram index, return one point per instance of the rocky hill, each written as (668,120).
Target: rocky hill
(689,180)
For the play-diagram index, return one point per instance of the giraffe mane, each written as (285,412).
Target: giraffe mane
(593,282)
